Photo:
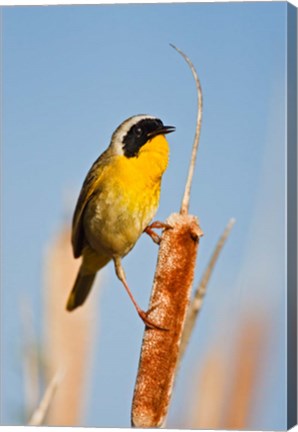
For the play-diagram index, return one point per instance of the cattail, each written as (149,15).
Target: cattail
(168,306)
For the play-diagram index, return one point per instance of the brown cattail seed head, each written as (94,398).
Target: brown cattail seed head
(168,306)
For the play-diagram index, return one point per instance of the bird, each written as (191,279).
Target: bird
(118,200)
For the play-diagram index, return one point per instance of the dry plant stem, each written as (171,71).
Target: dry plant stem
(186,196)
(168,305)
(197,301)
(41,411)
(68,338)
(31,357)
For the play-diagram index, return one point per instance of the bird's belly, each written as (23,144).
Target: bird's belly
(116,220)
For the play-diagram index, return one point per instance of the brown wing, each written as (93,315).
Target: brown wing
(90,186)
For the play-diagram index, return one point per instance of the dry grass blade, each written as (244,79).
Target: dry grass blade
(223,395)
(200,292)
(207,401)
(41,411)
(31,363)
(68,337)
(186,196)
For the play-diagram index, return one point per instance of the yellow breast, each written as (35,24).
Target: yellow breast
(140,177)
(129,198)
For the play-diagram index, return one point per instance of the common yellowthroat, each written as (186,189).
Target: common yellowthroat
(118,200)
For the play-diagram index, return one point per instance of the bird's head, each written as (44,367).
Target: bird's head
(135,132)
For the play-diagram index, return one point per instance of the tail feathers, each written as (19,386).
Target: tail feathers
(80,291)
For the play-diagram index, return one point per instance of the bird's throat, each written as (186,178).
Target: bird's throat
(153,157)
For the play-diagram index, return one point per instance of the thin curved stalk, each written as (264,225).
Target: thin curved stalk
(186,196)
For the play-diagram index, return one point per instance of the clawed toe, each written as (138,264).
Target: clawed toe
(160,225)
(157,225)
(148,323)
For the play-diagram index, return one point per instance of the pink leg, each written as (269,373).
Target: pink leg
(142,314)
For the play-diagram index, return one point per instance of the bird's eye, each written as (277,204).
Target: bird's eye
(138,131)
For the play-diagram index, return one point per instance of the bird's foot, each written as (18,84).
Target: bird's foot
(158,225)
(148,323)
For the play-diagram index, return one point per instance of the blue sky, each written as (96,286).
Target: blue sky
(71,74)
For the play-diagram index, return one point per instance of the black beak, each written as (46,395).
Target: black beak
(163,130)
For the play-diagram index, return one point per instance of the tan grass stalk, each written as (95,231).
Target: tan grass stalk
(168,305)
(39,414)
(207,401)
(68,336)
(31,358)
(197,301)
(186,195)
(224,396)
(251,345)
